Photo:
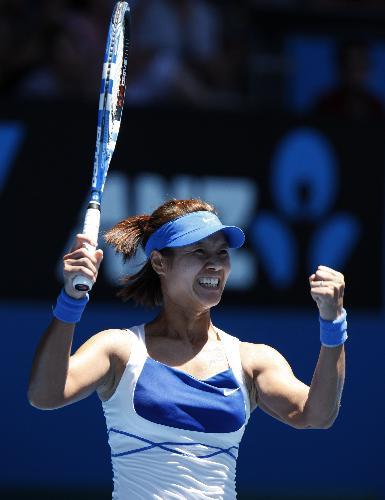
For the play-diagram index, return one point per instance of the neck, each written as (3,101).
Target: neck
(179,324)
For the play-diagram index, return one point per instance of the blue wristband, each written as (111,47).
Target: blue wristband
(334,333)
(68,309)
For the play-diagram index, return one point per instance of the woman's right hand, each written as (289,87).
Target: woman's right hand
(81,260)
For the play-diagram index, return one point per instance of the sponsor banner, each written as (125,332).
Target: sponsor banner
(305,192)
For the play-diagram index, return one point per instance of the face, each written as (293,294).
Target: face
(195,275)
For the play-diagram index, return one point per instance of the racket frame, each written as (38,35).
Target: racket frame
(111,102)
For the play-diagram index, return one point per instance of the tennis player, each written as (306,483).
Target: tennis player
(177,392)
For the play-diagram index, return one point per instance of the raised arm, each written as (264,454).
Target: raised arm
(57,378)
(279,392)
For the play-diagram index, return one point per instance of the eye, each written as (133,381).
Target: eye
(199,251)
(224,251)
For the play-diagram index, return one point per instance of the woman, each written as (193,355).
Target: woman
(177,392)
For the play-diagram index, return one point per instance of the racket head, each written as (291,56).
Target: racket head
(112,95)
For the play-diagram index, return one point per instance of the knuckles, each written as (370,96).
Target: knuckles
(332,292)
(80,255)
(323,274)
(83,264)
(79,260)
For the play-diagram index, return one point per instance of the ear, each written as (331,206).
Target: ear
(158,262)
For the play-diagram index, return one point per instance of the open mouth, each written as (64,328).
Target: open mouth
(209,282)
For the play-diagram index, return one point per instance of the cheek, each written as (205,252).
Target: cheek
(182,275)
(188,266)
(227,267)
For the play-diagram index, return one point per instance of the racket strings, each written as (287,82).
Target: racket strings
(112,94)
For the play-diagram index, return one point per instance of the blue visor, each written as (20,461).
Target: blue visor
(191,228)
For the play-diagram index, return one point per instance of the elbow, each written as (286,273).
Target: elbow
(41,404)
(318,422)
(313,424)
(321,425)
(328,423)
(41,401)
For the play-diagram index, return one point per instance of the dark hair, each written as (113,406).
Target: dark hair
(126,236)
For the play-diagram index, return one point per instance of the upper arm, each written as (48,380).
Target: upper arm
(279,393)
(92,366)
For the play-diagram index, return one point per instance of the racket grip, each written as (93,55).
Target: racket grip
(90,229)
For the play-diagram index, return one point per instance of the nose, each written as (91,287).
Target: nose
(214,267)
(214,263)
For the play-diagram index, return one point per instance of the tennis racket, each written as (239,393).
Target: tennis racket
(111,103)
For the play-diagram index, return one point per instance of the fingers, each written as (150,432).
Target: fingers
(327,274)
(327,287)
(333,289)
(81,265)
(99,257)
(81,240)
(82,260)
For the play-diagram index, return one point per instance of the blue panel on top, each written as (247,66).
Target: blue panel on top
(168,396)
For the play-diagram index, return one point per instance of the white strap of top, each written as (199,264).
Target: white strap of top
(232,345)
(138,354)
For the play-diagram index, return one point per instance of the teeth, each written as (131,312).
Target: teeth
(213,282)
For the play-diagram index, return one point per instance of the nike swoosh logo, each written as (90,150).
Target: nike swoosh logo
(208,219)
(227,392)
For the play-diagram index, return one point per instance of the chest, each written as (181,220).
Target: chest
(201,361)
(170,397)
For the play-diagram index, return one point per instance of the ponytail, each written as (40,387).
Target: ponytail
(128,234)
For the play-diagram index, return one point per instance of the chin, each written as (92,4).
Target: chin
(212,301)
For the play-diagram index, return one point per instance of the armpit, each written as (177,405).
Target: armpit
(252,391)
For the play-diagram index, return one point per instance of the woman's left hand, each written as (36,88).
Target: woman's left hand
(327,289)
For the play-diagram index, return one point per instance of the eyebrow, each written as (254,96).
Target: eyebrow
(199,243)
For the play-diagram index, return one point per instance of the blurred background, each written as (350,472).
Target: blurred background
(273,111)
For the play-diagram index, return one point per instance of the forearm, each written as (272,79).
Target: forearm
(323,402)
(281,394)
(50,365)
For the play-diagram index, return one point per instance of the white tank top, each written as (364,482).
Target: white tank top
(173,436)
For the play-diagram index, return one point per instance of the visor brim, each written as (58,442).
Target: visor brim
(234,235)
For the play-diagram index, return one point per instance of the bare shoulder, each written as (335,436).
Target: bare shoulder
(116,343)
(258,357)
(108,348)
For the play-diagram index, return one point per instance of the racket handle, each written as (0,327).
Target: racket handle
(90,229)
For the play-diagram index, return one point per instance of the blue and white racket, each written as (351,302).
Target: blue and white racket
(111,103)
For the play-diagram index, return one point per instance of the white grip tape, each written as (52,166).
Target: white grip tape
(90,229)
(92,223)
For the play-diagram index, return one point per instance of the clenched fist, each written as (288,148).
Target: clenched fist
(81,261)
(327,289)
